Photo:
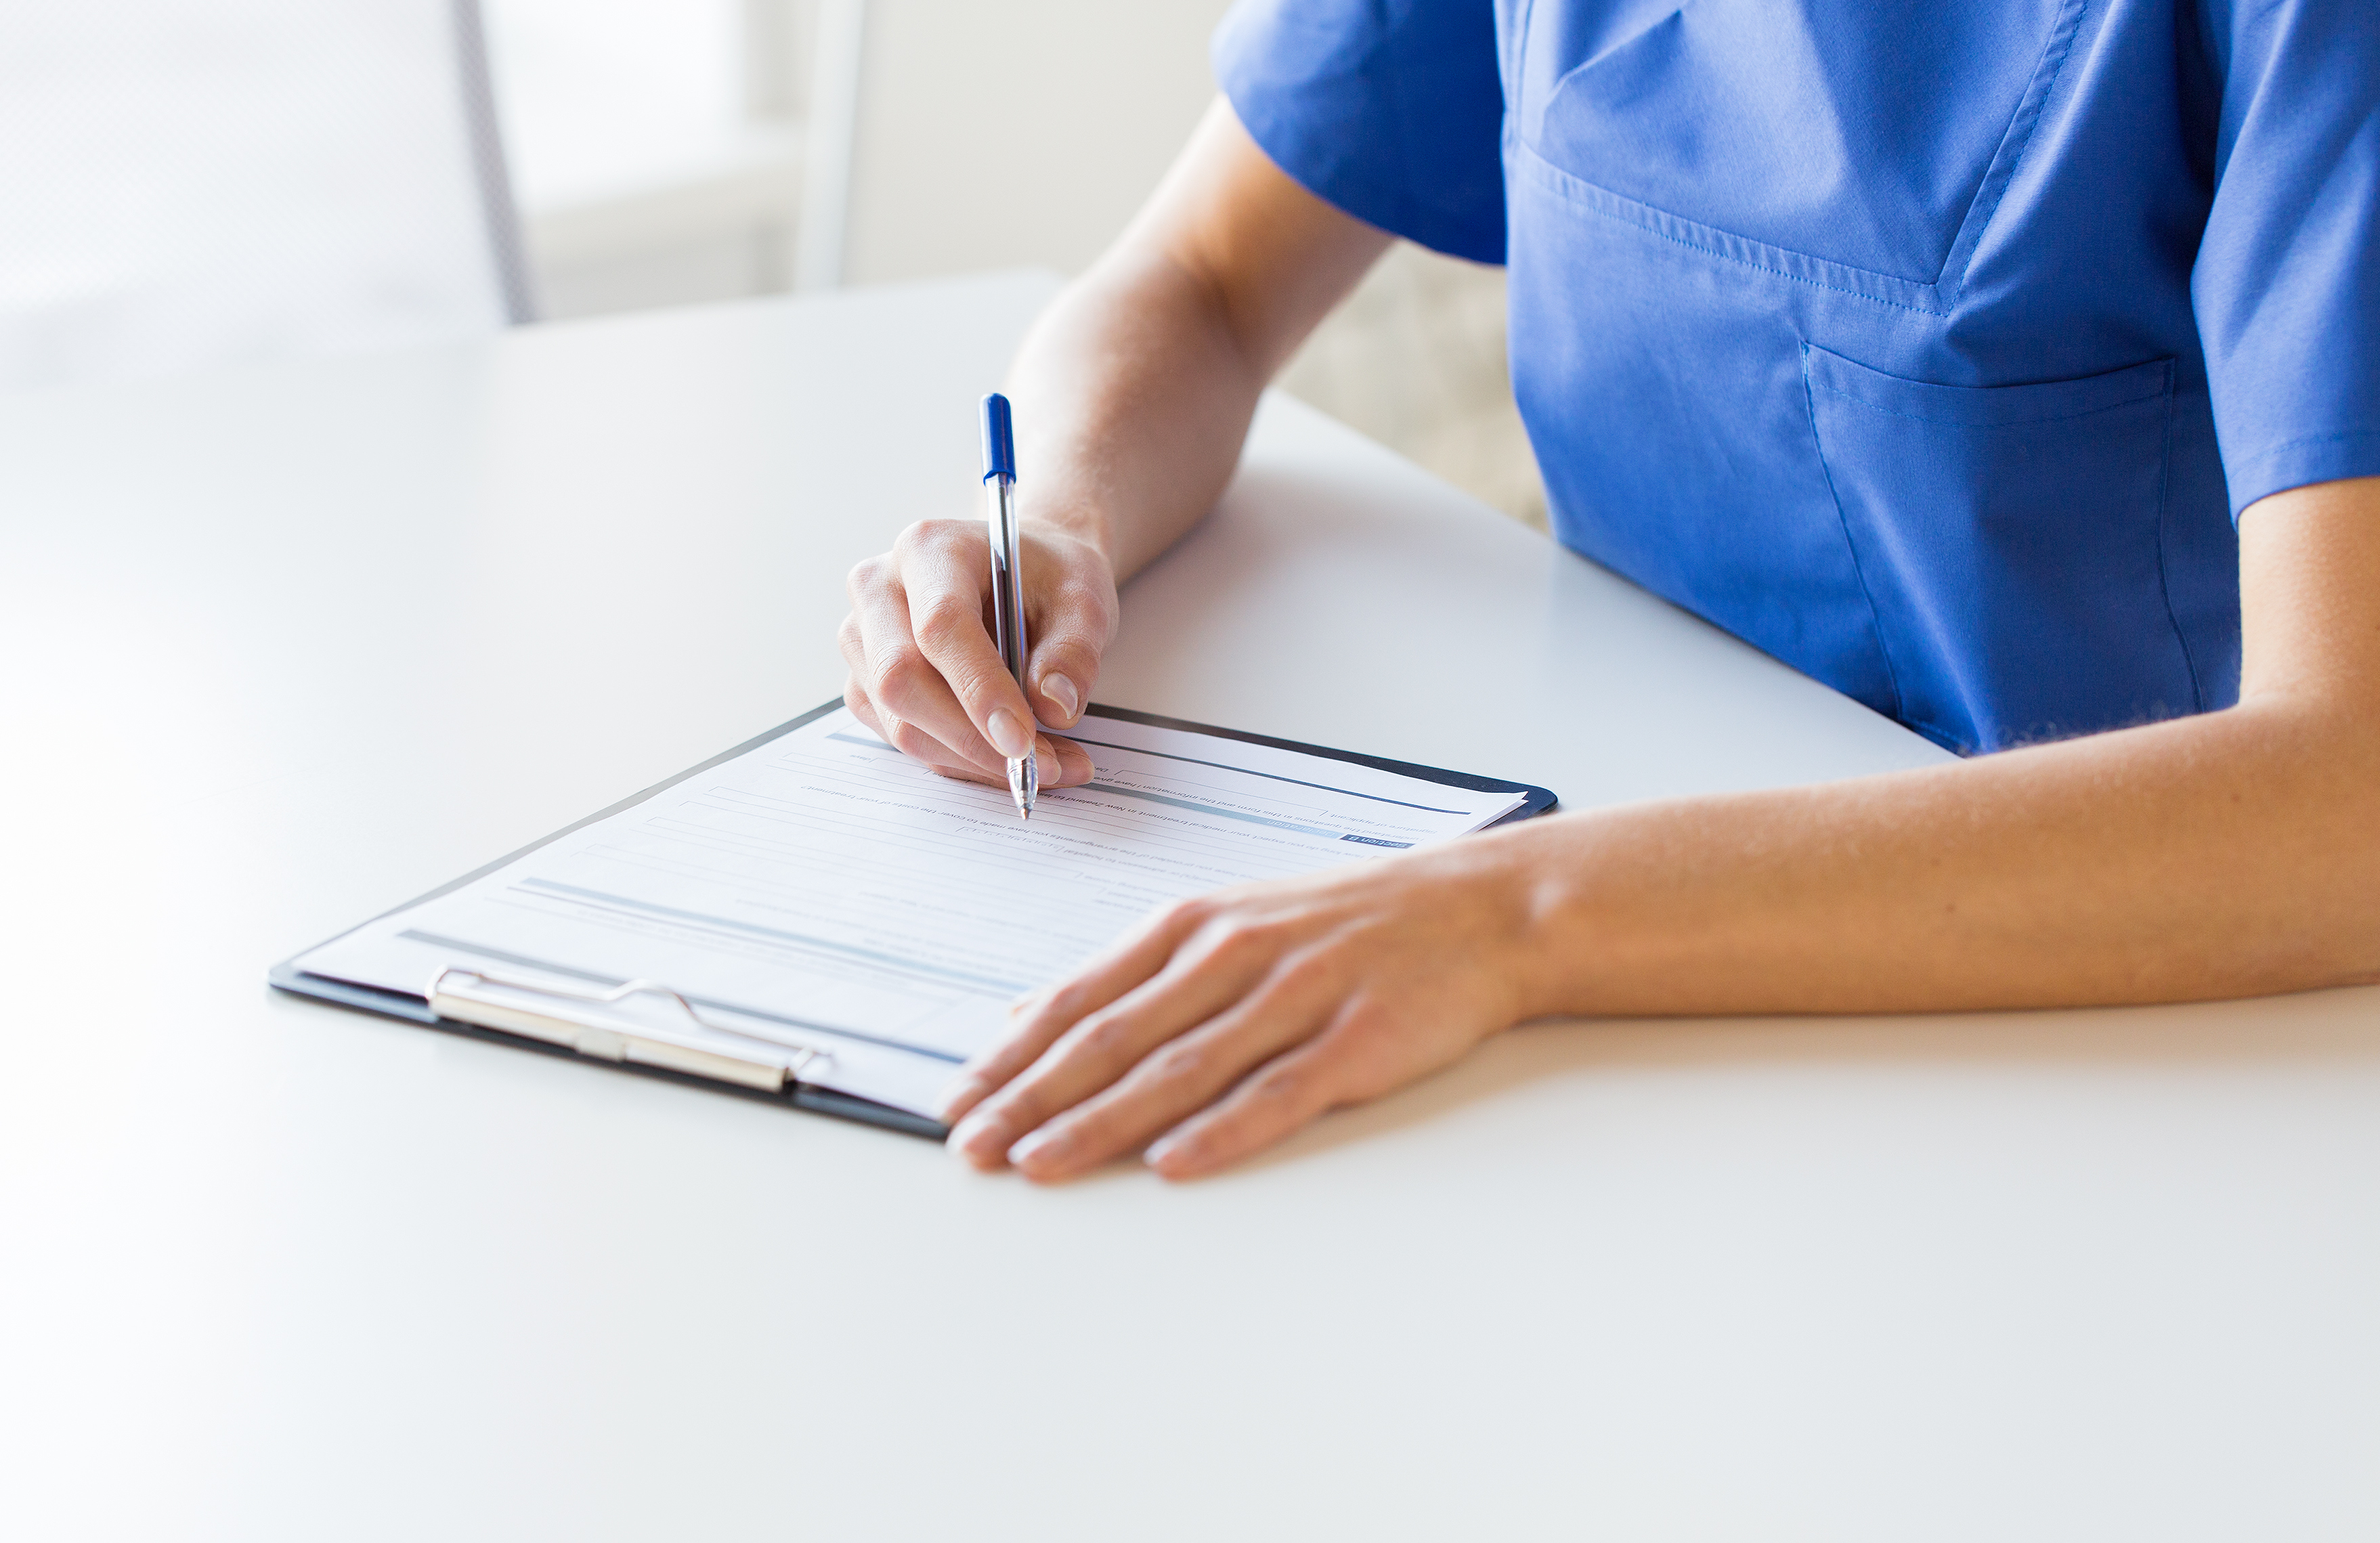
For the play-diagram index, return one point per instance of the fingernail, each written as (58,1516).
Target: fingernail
(1161,1150)
(1043,1143)
(981,1137)
(1045,763)
(1062,695)
(963,1091)
(1010,738)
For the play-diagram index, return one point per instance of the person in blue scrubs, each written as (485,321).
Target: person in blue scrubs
(2012,366)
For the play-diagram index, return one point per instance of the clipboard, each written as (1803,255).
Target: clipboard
(627,1024)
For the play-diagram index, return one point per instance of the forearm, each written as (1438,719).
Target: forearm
(1135,389)
(1132,398)
(2227,855)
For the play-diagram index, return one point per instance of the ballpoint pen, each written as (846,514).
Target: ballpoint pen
(1007,575)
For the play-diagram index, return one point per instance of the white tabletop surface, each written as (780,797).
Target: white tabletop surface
(284,648)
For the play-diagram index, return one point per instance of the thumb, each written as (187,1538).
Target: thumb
(1065,659)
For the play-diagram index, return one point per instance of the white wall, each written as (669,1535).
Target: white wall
(995,133)
(999,132)
(991,133)
(1030,130)
(654,145)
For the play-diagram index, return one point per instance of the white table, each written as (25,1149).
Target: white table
(287,648)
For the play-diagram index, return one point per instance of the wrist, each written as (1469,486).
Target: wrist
(1080,522)
(1544,942)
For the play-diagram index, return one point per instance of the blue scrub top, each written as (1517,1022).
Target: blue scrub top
(1913,341)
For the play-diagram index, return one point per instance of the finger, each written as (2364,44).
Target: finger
(855,696)
(1283,1096)
(848,643)
(1045,770)
(899,679)
(1195,986)
(946,577)
(1073,622)
(1184,1075)
(1058,762)
(1044,1014)
(909,741)
(1063,763)
(1047,754)
(909,693)
(1043,1018)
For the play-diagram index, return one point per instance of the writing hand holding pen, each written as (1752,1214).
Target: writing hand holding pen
(923,640)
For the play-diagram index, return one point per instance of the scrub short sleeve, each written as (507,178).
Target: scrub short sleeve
(2286,284)
(1393,110)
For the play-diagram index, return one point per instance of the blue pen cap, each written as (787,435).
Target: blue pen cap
(998,440)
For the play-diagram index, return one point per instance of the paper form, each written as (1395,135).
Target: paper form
(823,891)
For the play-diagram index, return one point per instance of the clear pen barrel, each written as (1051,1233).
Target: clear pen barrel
(1007,578)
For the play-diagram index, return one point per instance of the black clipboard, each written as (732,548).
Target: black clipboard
(286,976)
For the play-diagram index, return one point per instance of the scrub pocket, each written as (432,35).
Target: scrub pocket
(2009,541)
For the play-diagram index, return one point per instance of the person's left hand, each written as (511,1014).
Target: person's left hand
(1226,1022)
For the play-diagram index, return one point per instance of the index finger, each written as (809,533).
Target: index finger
(948,588)
(1044,1018)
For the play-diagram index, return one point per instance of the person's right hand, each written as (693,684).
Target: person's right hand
(926,675)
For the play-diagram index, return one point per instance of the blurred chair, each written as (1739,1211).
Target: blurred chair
(186,184)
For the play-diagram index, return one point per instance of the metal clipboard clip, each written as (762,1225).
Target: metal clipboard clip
(579,1020)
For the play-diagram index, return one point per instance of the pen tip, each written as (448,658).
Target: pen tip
(1023,783)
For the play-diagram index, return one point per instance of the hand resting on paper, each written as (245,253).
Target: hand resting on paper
(1227,1020)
